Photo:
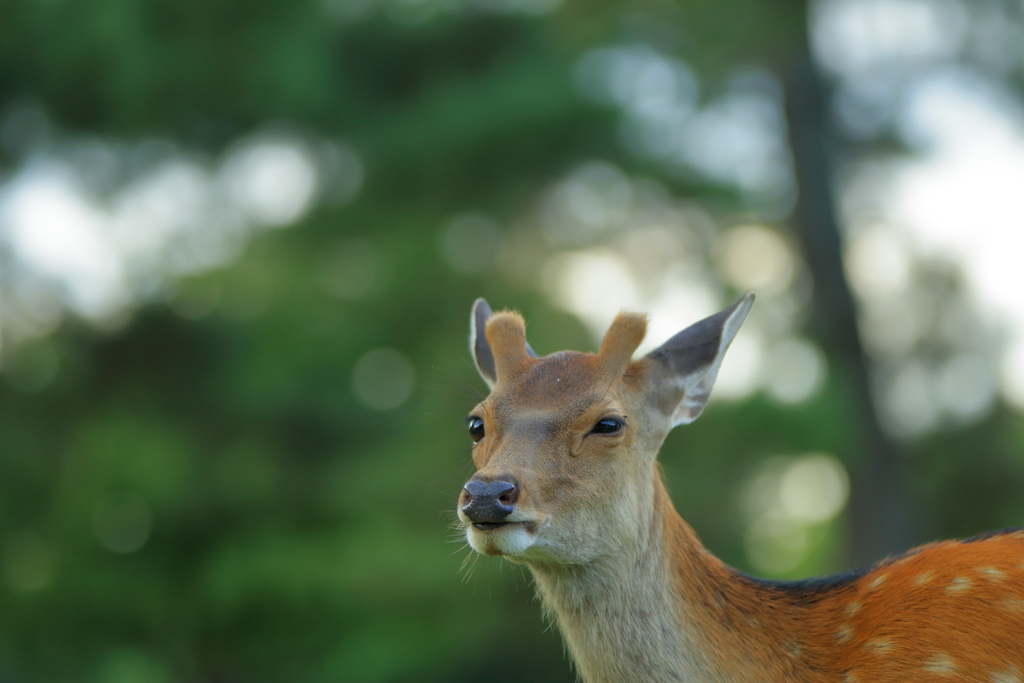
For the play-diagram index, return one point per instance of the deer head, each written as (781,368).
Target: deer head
(565,445)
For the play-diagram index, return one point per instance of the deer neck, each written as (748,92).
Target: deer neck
(660,610)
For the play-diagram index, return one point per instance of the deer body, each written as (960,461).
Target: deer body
(567,483)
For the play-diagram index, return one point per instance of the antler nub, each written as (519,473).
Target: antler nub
(506,334)
(621,340)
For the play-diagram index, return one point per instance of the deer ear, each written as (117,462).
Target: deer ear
(478,346)
(483,356)
(689,361)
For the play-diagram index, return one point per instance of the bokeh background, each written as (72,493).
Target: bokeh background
(239,240)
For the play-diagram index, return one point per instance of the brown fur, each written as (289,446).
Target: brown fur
(639,599)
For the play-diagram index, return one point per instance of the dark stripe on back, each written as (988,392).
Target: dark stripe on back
(809,591)
(992,534)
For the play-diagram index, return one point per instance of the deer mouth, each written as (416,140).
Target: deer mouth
(529,526)
(511,538)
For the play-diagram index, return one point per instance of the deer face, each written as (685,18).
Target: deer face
(565,444)
(557,449)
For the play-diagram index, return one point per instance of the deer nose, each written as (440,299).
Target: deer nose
(489,503)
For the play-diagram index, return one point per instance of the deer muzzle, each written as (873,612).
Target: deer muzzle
(487,505)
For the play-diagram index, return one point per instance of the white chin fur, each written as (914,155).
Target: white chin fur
(511,539)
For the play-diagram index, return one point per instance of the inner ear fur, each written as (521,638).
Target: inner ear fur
(687,364)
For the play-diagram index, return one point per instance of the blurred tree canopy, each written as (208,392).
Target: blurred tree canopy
(215,486)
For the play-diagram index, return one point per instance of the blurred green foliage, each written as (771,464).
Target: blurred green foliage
(200,496)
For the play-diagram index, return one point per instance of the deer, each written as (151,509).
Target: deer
(567,484)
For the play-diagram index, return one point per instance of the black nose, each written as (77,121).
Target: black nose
(489,503)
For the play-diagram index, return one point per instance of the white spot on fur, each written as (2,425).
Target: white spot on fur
(877,581)
(880,645)
(940,664)
(923,578)
(1014,604)
(992,573)
(959,585)
(1011,676)
(852,608)
(844,634)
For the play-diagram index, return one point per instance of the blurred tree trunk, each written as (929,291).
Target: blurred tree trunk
(879,501)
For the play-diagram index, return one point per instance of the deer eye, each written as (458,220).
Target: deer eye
(476,429)
(608,425)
